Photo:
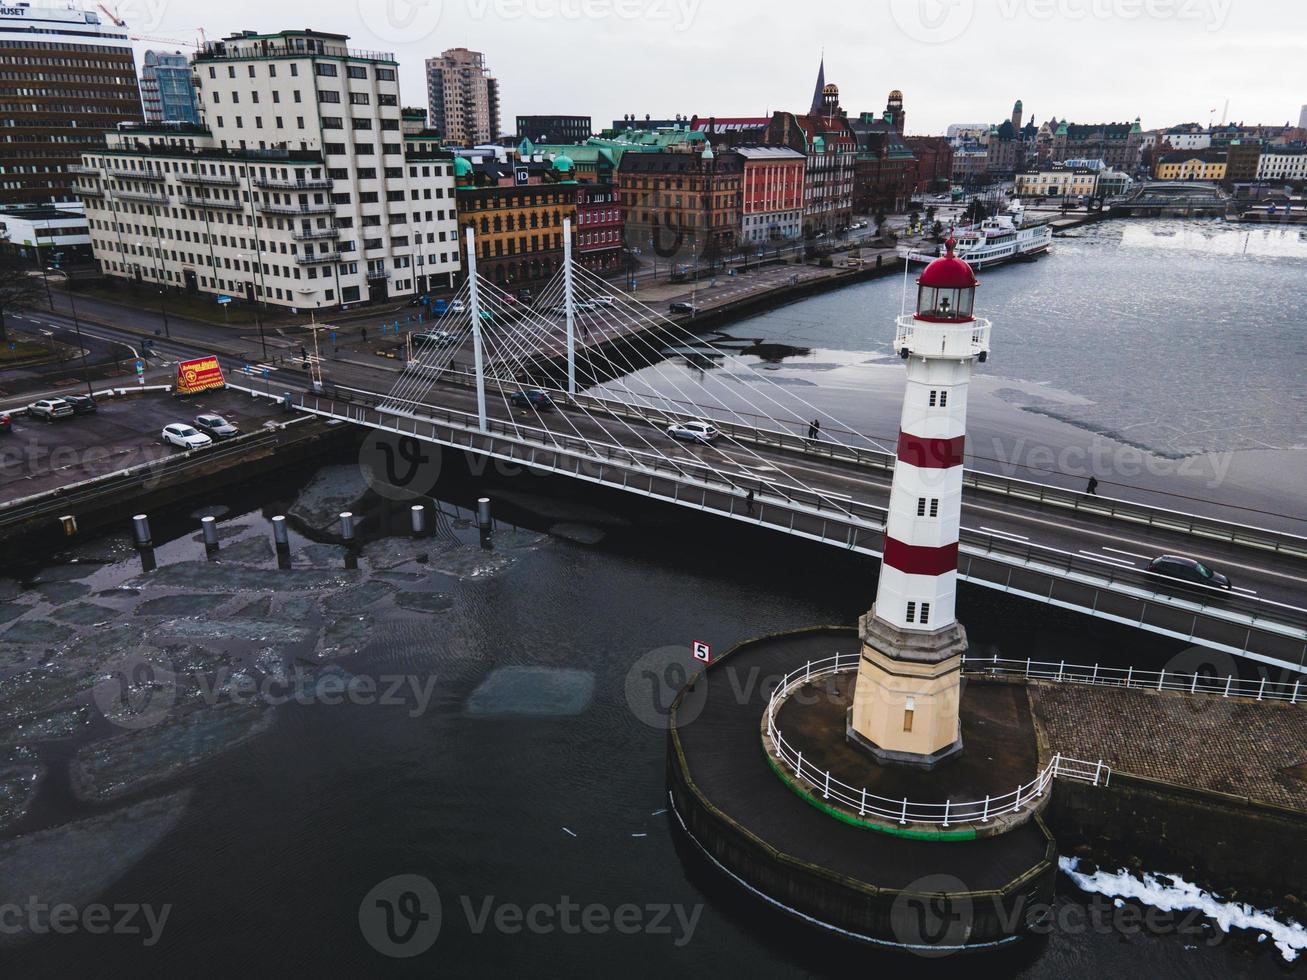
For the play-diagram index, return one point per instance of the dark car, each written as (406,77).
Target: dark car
(6,423)
(418,301)
(82,404)
(1189,571)
(533,399)
(215,426)
(682,307)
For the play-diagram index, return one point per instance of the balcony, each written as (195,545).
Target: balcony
(141,196)
(942,340)
(267,208)
(214,202)
(375,274)
(83,191)
(317,258)
(149,175)
(309,234)
(321,184)
(213,180)
(78,168)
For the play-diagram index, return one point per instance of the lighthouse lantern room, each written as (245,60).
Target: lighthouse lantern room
(906,703)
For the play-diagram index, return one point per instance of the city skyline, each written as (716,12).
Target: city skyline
(664,57)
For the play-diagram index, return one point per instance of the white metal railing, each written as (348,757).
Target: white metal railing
(1149,680)
(905,811)
(938,339)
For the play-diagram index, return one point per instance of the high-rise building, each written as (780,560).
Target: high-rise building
(463,97)
(167,92)
(71,78)
(555,129)
(1302,118)
(301,189)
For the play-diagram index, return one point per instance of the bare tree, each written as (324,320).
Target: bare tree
(19,289)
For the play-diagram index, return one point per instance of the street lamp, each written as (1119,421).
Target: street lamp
(263,341)
(77,325)
(158,275)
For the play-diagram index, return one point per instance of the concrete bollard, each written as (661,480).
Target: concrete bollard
(141,530)
(418,519)
(209,526)
(483,515)
(347,526)
(347,535)
(281,535)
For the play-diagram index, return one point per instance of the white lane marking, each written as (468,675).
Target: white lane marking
(572,832)
(1239,588)
(1130,553)
(1114,562)
(1006,534)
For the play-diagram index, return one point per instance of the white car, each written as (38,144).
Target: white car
(603,300)
(50,409)
(457,306)
(185,436)
(692,432)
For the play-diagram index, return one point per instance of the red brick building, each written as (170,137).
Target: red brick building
(934,170)
(599,227)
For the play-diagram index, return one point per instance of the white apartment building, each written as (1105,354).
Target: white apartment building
(300,188)
(1282,163)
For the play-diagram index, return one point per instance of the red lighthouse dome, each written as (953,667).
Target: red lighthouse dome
(947,289)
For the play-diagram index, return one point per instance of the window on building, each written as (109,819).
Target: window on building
(934,506)
(325,68)
(925,613)
(909,708)
(911,616)
(356,71)
(921,506)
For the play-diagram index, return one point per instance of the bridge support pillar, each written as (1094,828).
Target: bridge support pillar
(570,302)
(474,302)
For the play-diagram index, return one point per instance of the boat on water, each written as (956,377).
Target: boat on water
(995,240)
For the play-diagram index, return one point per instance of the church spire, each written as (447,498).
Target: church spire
(821,85)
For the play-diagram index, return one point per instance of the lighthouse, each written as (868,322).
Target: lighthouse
(906,704)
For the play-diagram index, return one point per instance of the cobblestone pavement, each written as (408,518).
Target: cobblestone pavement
(1245,748)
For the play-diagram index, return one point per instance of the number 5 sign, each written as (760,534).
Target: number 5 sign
(702,651)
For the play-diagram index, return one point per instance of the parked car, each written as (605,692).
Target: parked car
(440,338)
(216,426)
(692,432)
(524,296)
(6,423)
(1189,571)
(682,307)
(183,436)
(82,404)
(536,399)
(50,409)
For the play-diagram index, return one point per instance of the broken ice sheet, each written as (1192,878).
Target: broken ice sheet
(38,691)
(18,786)
(77,862)
(64,723)
(251,551)
(204,576)
(84,614)
(541,691)
(136,759)
(250,630)
(190,604)
(333,489)
(38,632)
(345,635)
(427,602)
(357,598)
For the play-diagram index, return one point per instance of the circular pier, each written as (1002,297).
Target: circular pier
(899,865)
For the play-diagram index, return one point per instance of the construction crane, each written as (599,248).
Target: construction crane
(119,22)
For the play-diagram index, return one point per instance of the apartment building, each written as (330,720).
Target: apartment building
(463,97)
(300,189)
(167,92)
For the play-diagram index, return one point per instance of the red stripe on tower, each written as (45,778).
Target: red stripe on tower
(931,453)
(914,559)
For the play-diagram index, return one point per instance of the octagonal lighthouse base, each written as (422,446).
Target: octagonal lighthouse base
(906,706)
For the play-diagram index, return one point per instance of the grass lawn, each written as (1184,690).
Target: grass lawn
(23,350)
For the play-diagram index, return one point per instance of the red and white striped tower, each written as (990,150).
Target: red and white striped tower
(906,703)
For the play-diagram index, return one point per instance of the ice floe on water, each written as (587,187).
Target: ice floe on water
(334,489)
(18,787)
(84,614)
(1173,894)
(75,863)
(424,602)
(540,691)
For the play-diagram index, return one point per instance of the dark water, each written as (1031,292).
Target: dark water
(520,766)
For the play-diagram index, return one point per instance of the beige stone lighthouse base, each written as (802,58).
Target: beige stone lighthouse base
(907,700)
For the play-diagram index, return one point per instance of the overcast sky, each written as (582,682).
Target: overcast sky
(1166,61)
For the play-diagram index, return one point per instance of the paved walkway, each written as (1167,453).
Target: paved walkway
(1245,748)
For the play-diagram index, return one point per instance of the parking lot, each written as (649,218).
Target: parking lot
(37,456)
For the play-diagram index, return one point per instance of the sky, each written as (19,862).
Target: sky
(1165,61)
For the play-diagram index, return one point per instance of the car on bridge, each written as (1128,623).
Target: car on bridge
(216,426)
(682,307)
(50,409)
(183,436)
(536,399)
(692,432)
(457,306)
(1189,571)
(82,404)
(439,338)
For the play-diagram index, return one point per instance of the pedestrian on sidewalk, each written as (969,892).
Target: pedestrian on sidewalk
(748,502)
(814,430)
(1092,489)
(364,332)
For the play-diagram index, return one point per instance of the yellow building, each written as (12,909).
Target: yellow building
(1207,165)
(1058,182)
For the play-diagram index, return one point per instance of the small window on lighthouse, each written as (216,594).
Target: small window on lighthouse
(934,397)
(921,506)
(912,612)
(925,613)
(934,506)
(943,399)
(908,709)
